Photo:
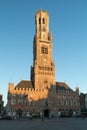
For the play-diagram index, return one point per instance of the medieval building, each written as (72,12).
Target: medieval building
(42,92)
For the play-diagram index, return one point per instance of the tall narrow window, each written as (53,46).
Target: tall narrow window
(43,21)
(39,20)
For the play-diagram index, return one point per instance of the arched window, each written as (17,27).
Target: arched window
(43,21)
(39,20)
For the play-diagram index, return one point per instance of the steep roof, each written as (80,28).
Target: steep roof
(24,84)
(62,86)
(28,84)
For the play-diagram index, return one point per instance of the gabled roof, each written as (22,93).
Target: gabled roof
(24,84)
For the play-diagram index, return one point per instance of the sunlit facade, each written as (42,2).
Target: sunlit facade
(42,92)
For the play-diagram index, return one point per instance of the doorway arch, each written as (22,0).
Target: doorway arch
(47,112)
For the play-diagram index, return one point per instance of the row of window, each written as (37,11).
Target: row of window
(45,68)
(43,21)
(14,102)
(67,103)
(67,97)
(60,91)
(45,73)
(60,103)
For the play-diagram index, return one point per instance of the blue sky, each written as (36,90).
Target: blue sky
(68,23)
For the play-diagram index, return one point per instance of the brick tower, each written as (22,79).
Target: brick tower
(43,70)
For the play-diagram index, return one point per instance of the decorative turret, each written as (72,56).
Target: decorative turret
(77,90)
(10,87)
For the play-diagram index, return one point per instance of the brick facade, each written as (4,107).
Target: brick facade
(42,92)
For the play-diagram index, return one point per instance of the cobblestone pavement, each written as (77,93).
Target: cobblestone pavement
(47,124)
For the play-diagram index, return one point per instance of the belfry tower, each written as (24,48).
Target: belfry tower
(43,70)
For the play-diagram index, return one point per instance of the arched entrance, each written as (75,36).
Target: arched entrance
(46,112)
